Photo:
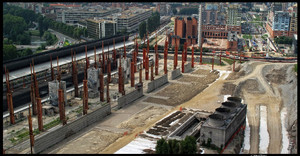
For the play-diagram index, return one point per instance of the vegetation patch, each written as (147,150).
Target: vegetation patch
(172,146)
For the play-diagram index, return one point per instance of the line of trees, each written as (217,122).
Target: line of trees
(152,24)
(172,146)
(188,11)
(283,40)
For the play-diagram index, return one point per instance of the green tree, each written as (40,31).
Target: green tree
(9,52)
(174,10)
(13,26)
(41,26)
(142,29)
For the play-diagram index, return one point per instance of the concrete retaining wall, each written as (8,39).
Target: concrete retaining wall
(157,83)
(59,133)
(187,68)
(175,73)
(130,97)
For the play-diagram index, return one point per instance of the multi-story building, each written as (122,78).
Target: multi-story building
(278,23)
(73,16)
(101,28)
(233,15)
(293,21)
(129,20)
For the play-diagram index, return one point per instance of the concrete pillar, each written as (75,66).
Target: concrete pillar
(53,91)
(144,57)
(107,93)
(212,67)
(93,82)
(52,71)
(220,57)
(108,71)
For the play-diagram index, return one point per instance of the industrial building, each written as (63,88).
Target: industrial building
(101,28)
(224,122)
(185,31)
(73,16)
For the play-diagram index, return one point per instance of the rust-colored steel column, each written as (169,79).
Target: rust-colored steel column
(212,67)
(108,71)
(185,51)
(182,61)
(85,97)
(176,57)
(165,61)
(144,57)
(61,103)
(147,68)
(40,113)
(10,108)
(31,136)
(141,68)
(52,71)
(101,79)
(152,77)
(132,74)
(124,49)
(193,56)
(156,60)
(32,93)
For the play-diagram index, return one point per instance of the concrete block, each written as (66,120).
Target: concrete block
(187,68)
(93,79)
(175,74)
(53,91)
(60,133)
(130,97)
(93,94)
(157,83)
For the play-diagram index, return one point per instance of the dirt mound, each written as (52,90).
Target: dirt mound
(201,72)
(235,75)
(277,76)
(228,88)
(140,119)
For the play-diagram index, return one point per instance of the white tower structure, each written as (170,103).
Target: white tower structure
(199,26)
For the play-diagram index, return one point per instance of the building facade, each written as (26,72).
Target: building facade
(73,16)
(233,16)
(98,29)
(223,123)
(130,19)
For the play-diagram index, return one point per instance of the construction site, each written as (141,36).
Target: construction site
(130,97)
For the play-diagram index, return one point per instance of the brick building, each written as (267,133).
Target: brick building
(185,30)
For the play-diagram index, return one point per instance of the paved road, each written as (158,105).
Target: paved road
(61,37)
(26,46)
